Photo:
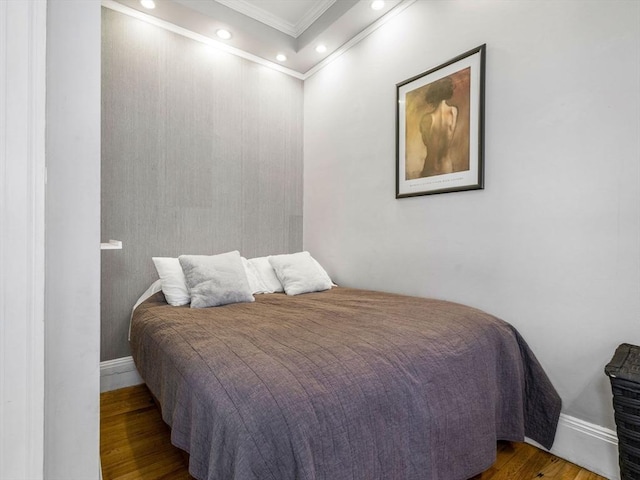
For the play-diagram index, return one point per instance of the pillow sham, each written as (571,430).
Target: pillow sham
(300,273)
(215,280)
(174,285)
(267,274)
(253,277)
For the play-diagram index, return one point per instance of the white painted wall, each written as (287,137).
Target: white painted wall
(552,244)
(22,224)
(72,300)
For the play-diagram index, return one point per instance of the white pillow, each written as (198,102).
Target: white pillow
(267,274)
(300,273)
(174,285)
(255,281)
(323,271)
(215,280)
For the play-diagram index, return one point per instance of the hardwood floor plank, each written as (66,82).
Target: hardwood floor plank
(156,465)
(135,444)
(136,448)
(533,468)
(516,463)
(586,475)
(558,469)
(505,452)
(124,400)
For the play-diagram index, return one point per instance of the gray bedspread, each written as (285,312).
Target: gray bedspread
(342,384)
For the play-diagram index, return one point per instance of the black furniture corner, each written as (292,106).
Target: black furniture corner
(624,373)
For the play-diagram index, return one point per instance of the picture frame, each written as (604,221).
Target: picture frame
(440,128)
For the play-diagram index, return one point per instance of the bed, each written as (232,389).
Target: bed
(340,384)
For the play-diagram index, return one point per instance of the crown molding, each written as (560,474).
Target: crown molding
(292,29)
(312,15)
(118,7)
(361,36)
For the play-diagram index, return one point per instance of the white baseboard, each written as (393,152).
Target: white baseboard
(588,445)
(118,373)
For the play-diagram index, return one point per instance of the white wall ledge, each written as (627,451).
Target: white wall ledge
(111,245)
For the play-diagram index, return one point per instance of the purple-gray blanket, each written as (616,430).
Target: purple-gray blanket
(342,384)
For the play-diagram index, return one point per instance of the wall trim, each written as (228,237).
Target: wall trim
(118,373)
(586,444)
(22,237)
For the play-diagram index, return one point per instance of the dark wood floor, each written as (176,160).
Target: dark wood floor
(135,445)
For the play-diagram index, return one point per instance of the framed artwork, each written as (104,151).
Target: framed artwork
(440,128)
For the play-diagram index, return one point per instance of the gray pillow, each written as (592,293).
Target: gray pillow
(215,279)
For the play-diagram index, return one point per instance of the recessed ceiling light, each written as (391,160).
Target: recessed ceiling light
(281,57)
(321,48)
(148,4)
(223,34)
(377,4)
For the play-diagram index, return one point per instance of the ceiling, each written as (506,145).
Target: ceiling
(266,28)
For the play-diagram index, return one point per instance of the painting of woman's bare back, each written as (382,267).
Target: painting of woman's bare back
(439,120)
(437,134)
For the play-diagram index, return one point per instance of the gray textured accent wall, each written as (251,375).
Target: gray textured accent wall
(201,154)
